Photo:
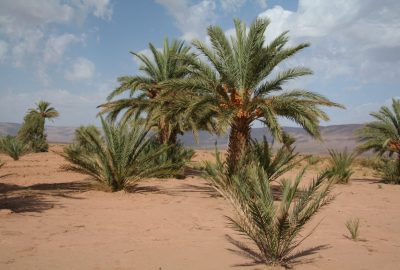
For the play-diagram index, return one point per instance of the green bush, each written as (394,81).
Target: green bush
(340,165)
(175,154)
(13,147)
(390,171)
(32,133)
(274,226)
(313,160)
(116,158)
(375,163)
(274,164)
(352,226)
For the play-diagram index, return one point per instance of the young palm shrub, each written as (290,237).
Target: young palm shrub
(273,164)
(340,165)
(117,158)
(383,135)
(13,147)
(274,226)
(390,172)
(313,160)
(176,154)
(81,135)
(352,226)
(375,163)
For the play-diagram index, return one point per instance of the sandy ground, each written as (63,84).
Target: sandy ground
(60,221)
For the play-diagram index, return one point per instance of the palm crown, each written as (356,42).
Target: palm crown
(145,90)
(44,109)
(382,135)
(235,85)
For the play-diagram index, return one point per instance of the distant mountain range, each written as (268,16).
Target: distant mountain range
(336,137)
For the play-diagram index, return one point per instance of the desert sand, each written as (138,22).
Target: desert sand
(53,219)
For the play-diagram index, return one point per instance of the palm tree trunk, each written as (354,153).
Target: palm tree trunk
(239,138)
(163,134)
(398,162)
(173,137)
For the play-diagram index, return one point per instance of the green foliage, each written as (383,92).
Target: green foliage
(353,225)
(81,134)
(340,165)
(390,171)
(274,226)
(383,135)
(147,95)
(175,154)
(117,158)
(274,164)
(313,160)
(32,133)
(375,163)
(236,85)
(13,147)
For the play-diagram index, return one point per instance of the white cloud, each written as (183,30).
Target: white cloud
(101,8)
(358,38)
(192,20)
(3,50)
(232,5)
(235,5)
(56,46)
(81,69)
(262,3)
(26,26)
(27,45)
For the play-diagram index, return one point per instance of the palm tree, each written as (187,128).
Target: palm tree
(382,135)
(241,83)
(32,131)
(275,226)
(119,157)
(145,90)
(44,109)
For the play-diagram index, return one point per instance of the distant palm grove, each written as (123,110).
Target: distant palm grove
(221,86)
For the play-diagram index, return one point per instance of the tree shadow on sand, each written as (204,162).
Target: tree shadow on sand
(39,197)
(256,258)
(183,189)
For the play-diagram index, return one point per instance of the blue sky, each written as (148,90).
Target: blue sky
(71,52)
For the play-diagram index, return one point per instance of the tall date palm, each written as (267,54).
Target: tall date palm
(145,89)
(239,82)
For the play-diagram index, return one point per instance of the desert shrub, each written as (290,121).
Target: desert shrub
(116,158)
(81,134)
(340,165)
(390,171)
(175,154)
(32,133)
(274,164)
(374,163)
(274,226)
(352,226)
(313,160)
(13,147)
